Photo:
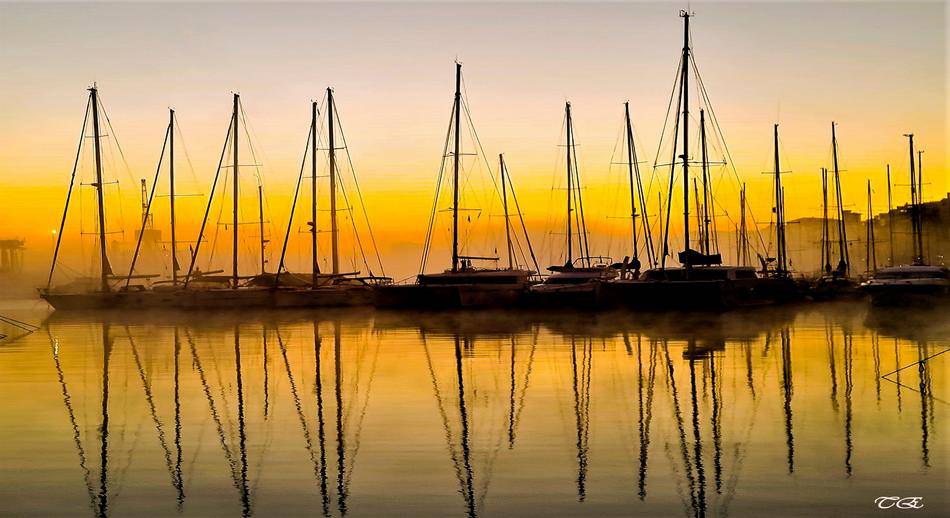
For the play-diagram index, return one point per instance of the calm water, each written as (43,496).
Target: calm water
(369,414)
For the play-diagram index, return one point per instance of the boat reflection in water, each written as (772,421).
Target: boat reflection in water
(487,413)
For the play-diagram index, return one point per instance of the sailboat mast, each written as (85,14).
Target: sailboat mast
(570,186)
(171,192)
(920,203)
(455,168)
(743,238)
(842,228)
(699,216)
(781,259)
(915,209)
(684,88)
(631,163)
(890,220)
(870,255)
(825,234)
(314,263)
(334,231)
(504,202)
(105,268)
(706,218)
(260,221)
(235,189)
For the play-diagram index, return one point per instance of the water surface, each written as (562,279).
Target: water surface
(368,413)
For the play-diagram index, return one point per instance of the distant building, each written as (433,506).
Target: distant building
(11,255)
(803,237)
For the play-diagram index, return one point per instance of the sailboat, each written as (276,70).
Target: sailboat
(106,290)
(913,284)
(576,283)
(702,282)
(463,284)
(335,288)
(834,282)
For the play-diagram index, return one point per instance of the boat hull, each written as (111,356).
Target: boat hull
(835,289)
(449,296)
(329,296)
(580,296)
(214,299)
(917,295)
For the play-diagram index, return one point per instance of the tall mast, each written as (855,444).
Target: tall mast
(234,201)
(915,209)
(631,163)
(842,228)
(504,202)
(743,238)
(684,88)
(781,260)
(825,231)
(105,267)
(699,215)
(570,187)
(171,192)
(260,220)
(890,220)
(334,231)
(920,203)
(314,263)
(706,219)
(455,168)
(870,255)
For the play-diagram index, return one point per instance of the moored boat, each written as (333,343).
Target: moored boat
(916,284)
(702,282)
(464,285)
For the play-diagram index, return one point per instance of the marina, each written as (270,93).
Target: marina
(695,278)
(477,259)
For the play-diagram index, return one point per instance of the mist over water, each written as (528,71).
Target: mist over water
(369,413)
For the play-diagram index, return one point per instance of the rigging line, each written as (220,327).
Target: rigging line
(128,171)
(204,221)
(481,150)
(293,206)
(359,194)
(184,148)
(69,193)
(916,363)
(217,228)
(666,121)
(579,199)
(669,198)
(715,122)
(438,190)
(148,208)
(356,234)
(642,195)
(29,328)
(524,228)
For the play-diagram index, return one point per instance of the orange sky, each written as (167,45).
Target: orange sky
(878,69)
